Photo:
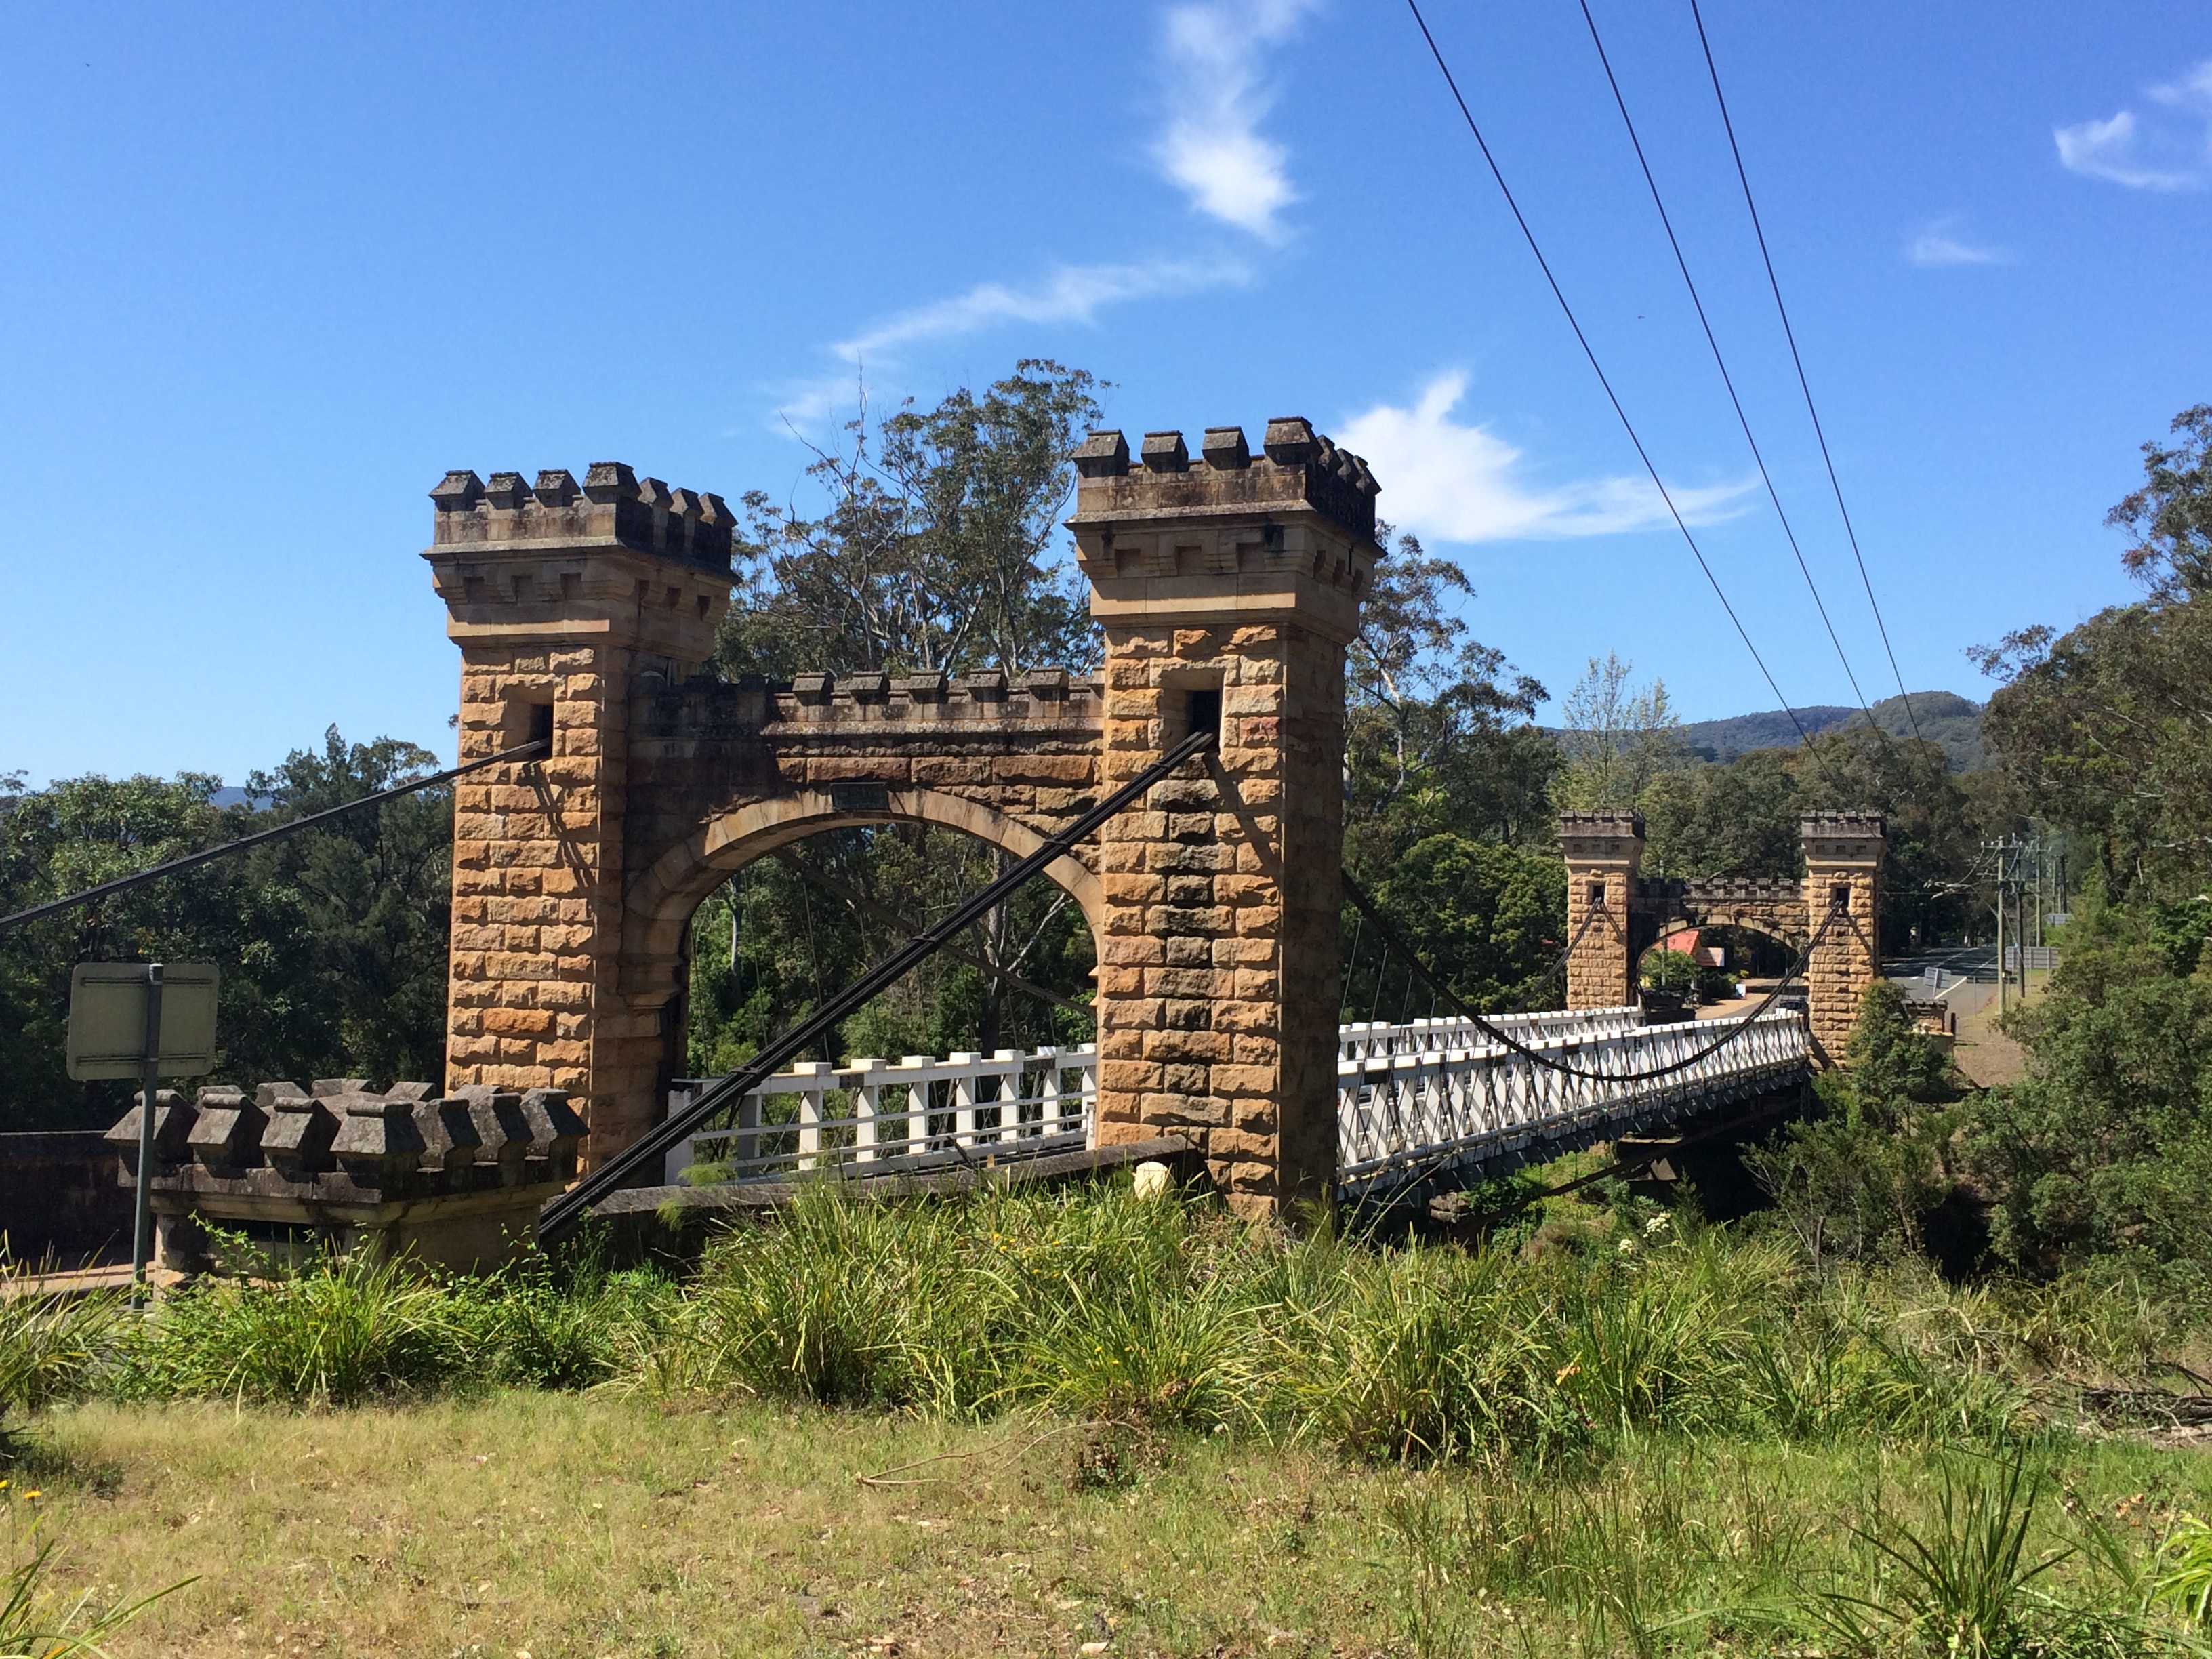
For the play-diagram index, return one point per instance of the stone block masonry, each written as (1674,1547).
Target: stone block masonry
(1844,857)
(1603,852)
(453,1181)
(1613,915)
(564,600)
(1228,588)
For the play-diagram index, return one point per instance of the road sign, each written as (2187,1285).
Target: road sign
(107,1019)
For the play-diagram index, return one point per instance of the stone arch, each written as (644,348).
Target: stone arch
(1781,927)
(662,899)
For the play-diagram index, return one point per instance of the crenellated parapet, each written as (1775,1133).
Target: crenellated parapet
(1290,529)
(628,561)
(613,507)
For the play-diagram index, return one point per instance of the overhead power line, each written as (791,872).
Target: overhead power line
(1582,339)
(1803,384)
(1682,264)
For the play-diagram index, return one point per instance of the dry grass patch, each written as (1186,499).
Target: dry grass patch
(560,1525)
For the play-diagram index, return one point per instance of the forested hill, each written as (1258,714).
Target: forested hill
(1945,719)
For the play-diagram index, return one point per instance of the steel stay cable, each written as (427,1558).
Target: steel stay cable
(1590,353)
(1741,1023)
(1682,264)
(565,1210)
(192,861)
(1804,385)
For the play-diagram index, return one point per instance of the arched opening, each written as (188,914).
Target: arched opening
(791,928)
(776,905)
(1708,962)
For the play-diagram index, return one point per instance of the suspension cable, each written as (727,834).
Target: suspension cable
(562,1214)
(527,751)
(1739,1025)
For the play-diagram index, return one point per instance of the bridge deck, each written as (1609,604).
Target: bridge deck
(1432,1101)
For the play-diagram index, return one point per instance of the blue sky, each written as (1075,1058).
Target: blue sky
(267,271)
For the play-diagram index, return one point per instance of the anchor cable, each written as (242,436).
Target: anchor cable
(527,751)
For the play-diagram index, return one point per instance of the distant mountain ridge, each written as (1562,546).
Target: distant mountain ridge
(1950,721)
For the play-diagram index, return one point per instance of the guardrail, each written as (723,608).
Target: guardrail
(1407,1115)
(1361,1040)
(888,1115)
(1413,1100)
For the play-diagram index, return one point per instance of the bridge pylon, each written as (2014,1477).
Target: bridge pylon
(564,600)
(1604,853)
(1228,584)
(1614,914)
(1844,857)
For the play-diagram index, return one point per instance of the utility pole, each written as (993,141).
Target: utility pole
(1998,847)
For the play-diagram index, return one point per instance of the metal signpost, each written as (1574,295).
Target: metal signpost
(147,1020)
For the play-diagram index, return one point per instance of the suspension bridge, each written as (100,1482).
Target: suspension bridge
(1185,795)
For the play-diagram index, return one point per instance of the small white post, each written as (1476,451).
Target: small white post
(1088,1082)
(1010,1094)
(964,1098)
(864,1089)
(810,1114)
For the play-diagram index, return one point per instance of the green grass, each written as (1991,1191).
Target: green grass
(1634,1436)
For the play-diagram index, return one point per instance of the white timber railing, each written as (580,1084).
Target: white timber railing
(1361,1040)
(1416,1099)
(1406,1114)
(883,1115)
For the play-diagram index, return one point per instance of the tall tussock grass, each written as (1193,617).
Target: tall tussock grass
(346,1329)
(1164,1313)
(1171,1313)
(51,1342)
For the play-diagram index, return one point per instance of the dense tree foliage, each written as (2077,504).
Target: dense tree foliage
(331,943)
(931,549)
(2107,728)
(1448,814)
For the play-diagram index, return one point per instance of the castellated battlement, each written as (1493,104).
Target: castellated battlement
(823,704)
(1231,536)
(1850,836)
(613,507)
(1737,890)
(1296,469)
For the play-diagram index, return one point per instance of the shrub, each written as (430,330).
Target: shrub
(343,1330)
(50,1343)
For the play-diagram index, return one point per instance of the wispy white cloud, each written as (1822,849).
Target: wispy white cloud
(1213,58)
(1072,294)
(1068,293)
(1464,483)
(1939,245)
(2168,147)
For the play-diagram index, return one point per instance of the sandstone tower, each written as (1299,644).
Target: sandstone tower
(1228,584)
